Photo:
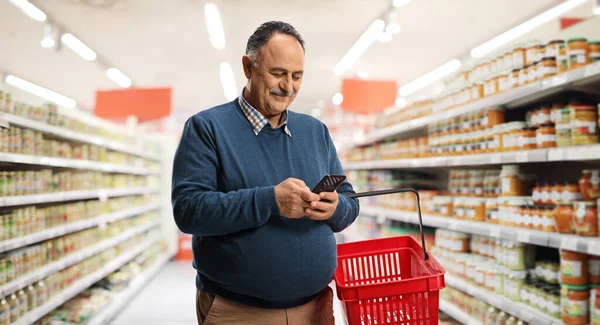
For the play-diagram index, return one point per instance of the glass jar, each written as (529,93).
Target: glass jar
(443,206)
(503,84)
(590,184)
(573,268)
(491,211)
(511,135)
(570,193)
(513,182)
(562,59)
(584,125)
(594,51)
(527,139)
(563,216)
(577,50)
(594,269)
(513,80)
(523,75)
(563,127)
(547,68)
(553,48)
(545,136)
(585,218)
(532,73)
(574,304)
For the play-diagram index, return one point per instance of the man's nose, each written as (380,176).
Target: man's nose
(287,85)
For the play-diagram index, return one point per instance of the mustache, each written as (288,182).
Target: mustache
(281,92)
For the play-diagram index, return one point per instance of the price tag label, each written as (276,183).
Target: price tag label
(496,158)
(526,316)
(523,236)
(522,157)
(495,232)
(594,247)
(102,225)
(569,243)
(592,69)
(557,154)
(453,226)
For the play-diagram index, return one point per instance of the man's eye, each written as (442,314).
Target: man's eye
(296,78)
(277,74)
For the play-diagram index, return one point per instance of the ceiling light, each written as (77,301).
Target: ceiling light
(361,45)
(401,3)
(392,28)
(78,47)
(384,37)
(400,102)
(47,43)
(337,99)
(597,7)
(50,36)
(228,81)
(214,26)
(30,10)
(40,91)
(429,78)
(119,77)
(362,74)
(524,28)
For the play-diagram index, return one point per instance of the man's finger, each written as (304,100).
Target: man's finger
(321,206)
(298,182)
(329,196)
(316,215)
(309,196)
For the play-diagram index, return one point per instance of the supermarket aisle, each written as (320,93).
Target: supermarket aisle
(174,286)
(169,299)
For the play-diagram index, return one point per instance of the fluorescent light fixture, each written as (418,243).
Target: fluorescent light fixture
(119,77)
(361,45)
(362,74)
(400,102)
(392,28)
(597,8)
(50,36)
(30,10)
(401,3)
(78,47)
(228,81)
(429,78)
(337,99)
(42,92)
(47,43)
(524,28)
(214,26)
(384,37)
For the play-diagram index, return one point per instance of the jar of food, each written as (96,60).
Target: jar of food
(562,59)
(32,297)
(577,50)
(594,51)
(569,194)
(595,305)
(513,182)
(23,306)
(491,315)
(548,222)
(443,206)
(563,127)
(547,68)
(573,268)
(4,312)
(523,75)
(13,301)
(531,51)
(512,320)
(532,73)
(503,84)
(553,306)
(574,304)
(536,194)
(584,125)
(585,218)
(590,184)
(537,221)
(491,211)
(527,139)
(563,216)
(544,116)
(545,136)
(513,79)
(553,48)
(594,269)
(514,284)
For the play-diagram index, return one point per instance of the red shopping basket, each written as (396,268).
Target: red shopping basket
(389,281)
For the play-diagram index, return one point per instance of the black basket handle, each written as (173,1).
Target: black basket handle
(394,191)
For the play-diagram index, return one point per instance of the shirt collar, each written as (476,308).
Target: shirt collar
(259,121)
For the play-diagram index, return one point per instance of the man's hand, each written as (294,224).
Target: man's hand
(293,196)
(323,210)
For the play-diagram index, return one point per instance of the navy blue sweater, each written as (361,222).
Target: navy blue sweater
(223,194)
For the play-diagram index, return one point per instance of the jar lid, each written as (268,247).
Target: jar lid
(573,287)
(577,39)
(556,41)
(562,45)
(584,108)
(529,128)
(516,70)
(549,58)
(545,125)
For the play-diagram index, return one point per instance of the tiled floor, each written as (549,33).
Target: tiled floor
(169,299)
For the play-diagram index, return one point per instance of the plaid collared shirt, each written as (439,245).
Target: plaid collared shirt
(258,120)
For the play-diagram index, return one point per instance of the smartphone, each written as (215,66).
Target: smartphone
(329,183)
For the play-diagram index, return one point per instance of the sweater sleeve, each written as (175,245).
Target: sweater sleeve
(198,207)
(347,209)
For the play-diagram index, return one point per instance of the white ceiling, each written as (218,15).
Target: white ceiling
(165,43)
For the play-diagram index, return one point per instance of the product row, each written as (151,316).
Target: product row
(16,305)
(557,283)
(511,69)
(30,142)
(24,221)
(49,114)
(20,262)
(14,183)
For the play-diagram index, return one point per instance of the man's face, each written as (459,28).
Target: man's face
(274,81)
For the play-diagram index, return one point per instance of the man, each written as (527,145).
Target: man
(263,242)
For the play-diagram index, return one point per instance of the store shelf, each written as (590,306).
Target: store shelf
(82,284)
(66,134)
(101,194)
(511,98)
(11,244)
(516,309)
(71,163)
(120,301)
(590,245)
(457,314)
(72,259)
(580,153)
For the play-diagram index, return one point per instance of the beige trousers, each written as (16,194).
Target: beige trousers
(216,310)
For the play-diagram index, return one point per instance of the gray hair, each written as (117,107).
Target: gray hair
(264,33)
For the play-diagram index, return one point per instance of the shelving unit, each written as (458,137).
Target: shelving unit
(85,283)
(14,243)
(20,159)
(579,153)
(516,309)
(457,314)
(101,194)
(511,98)
(66,134)
(529,236)
(72,259)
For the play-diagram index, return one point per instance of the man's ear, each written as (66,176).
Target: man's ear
(247,64)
